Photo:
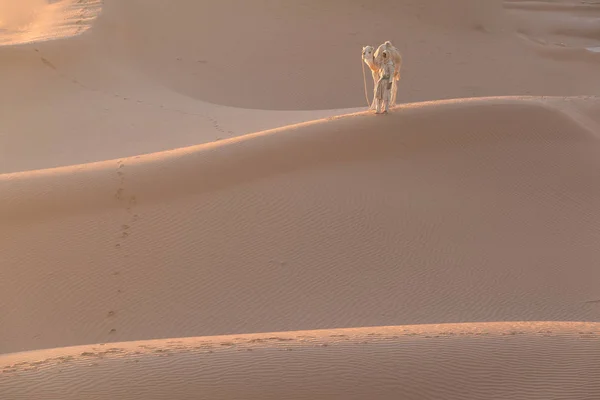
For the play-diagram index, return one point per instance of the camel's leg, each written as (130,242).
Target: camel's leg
(372,106)
(377,99)
(373,74)
(394,91)
(395,88)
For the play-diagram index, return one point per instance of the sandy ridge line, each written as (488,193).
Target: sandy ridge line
(66,170)
(378,363)
(543,101)
(56,21)
(311,144)
(549,6)
(32,360)
(562,53)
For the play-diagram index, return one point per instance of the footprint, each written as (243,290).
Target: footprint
(48,63)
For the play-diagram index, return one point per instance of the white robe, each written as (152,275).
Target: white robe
(384,85)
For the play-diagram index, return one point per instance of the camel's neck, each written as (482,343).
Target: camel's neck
(371,63)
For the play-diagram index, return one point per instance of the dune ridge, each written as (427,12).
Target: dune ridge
(148,78)
(525,360)
(34,21)
(304,145)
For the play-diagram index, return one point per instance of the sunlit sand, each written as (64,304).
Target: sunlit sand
(195,202)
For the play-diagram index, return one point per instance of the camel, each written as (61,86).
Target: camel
(373,58)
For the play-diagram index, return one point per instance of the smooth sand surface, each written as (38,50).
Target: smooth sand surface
(447,250)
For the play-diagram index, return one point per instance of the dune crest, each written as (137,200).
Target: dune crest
(29,21)
(525,360)
(147,78)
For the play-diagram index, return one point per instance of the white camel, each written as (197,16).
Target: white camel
(373,58)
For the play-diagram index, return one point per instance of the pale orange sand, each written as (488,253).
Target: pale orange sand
(122,219)
(153,75)
(508,360)
(29,21)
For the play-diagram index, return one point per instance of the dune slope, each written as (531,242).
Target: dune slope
(463,211)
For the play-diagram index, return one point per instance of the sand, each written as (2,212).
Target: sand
(194,203)
(536,360)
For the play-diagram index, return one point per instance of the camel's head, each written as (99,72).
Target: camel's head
(367,52)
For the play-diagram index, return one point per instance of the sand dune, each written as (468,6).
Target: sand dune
(152,77)
(494,361)
(356,221)
(28,21)
(179,171)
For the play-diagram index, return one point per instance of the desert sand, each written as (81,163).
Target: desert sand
(194,203)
